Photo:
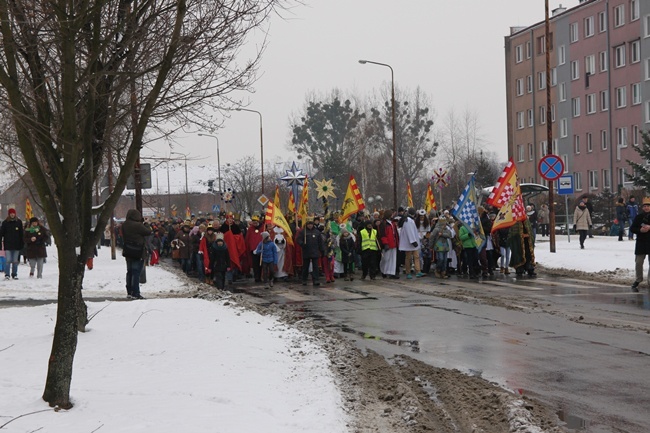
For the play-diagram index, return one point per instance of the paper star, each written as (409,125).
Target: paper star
(294,176)
(325,188)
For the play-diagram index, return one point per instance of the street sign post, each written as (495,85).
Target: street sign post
(565,187)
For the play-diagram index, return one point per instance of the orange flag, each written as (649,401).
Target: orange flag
(29,214)
(276,199)
(291,206)
(409,194)
(511,212)
(505,186)
(353,201)
(274,216)
(430,201)
(303,210)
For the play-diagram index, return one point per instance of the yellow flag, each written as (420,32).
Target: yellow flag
(353,201)
(274,216)
(303,210)
(276,200)
(291,206)
(409,194)
(29,214)
(430,201)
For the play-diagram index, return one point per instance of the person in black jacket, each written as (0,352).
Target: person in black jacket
(12,240)
(313,247)
(134,233)
(219,261)
(641,228)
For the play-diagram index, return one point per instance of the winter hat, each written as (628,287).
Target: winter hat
(33,220)
(264,235)
(11,211)
(209,228)
(646,200)
(411,211)
(219,237)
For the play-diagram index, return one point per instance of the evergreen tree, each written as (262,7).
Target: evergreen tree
(641,175)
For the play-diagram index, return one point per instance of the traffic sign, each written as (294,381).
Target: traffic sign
(565,185)
(216,208)
(263,200)
(551,167)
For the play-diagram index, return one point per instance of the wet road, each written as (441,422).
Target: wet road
(583,348)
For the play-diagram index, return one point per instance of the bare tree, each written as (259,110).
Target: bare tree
(83,82)
(244,177)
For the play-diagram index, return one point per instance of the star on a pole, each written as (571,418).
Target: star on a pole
(325,188)
(293,176)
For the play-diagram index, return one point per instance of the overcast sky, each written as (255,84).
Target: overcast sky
(453,50)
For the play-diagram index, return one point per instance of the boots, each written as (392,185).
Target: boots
(444,275)
(506,271)
(438,274)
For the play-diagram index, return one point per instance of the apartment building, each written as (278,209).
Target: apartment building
(600,92)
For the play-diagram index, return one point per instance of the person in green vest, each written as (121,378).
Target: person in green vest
(368,247)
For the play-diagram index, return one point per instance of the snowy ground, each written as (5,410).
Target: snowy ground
(173,364)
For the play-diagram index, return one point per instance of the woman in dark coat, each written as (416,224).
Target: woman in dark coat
(35,242)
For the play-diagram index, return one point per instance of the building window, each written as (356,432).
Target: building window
(604,100)
(520,153)
(575,106)
(607,181)
(541,45)
(577,181)
(602,22)
(636,93)
(531,152)
(552,112)
(561,55)
(590,64)
(634,10)
(564,128)
(554,147)
(573,30)
(553,77)
(619,15)
(542,115)
(621,97)
(635,135)
(562,91)
(589,27)
(541,78)
(576,144)
(647,69)
(575,70)
(622,176)
(519,53)
(543,148)
(531,117)
(647,111)
(635,51)
(593,179)
(621,137)
(528,50)
(520,120)
(603,139)
(565,160)
(646,26)
(619,56)
(591,103)
(520,86)
(602,61)
(590,144)
(529,84)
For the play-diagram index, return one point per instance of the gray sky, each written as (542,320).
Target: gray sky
(453,50)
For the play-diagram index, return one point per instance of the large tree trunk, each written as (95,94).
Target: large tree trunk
(68,320)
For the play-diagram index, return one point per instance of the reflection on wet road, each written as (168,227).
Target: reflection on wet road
(581,347)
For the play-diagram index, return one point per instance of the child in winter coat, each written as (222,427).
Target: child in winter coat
(346,243)
(219,262)
(268,257)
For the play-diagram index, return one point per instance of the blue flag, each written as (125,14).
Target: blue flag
(465,211)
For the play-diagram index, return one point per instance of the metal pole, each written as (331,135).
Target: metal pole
(549,129)
(169,196)
(187,190)
(392,97)
(261,140)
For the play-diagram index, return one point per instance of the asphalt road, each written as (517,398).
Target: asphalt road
(583,348)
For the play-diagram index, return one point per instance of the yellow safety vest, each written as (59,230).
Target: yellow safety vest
(369,240)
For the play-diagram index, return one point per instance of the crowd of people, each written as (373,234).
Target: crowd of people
(388,244)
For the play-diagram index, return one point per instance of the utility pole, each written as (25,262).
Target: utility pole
(549,129)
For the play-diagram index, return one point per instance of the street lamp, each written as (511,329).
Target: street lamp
(261,140)
(218,159)
(392,97)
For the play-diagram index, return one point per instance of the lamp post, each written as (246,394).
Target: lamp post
(261,140)
(392,98)
(218,159)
